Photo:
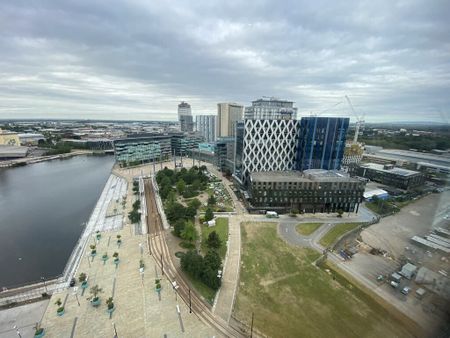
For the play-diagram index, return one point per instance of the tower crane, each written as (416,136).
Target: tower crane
(359,120)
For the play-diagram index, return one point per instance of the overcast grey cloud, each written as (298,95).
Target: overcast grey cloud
(138,59)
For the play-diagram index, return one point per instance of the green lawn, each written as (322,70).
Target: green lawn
(292,298)
(335,232)
(307,229)
(222,230)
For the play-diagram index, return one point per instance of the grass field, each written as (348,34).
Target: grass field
(292,298)
(307,229)
(222,230)
(335,232)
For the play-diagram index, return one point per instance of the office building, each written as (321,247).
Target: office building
(183,143)
(265,145)
(321,143)
(271,109)
(389,175)
(228,114)
(225,154)
(185,117)
(313,190)
(137,150)
(205,125)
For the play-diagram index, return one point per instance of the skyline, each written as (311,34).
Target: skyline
(137,61)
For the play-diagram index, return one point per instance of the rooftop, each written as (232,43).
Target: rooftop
(395,170)
(312,175)
(13,151)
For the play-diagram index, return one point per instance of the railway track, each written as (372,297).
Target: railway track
(156,241)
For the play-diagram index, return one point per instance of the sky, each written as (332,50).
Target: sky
(138,59)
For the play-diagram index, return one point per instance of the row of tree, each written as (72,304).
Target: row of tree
(202,268)
(187,183)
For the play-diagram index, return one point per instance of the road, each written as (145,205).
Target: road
(160,251)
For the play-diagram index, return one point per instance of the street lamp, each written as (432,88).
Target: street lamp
(45,286)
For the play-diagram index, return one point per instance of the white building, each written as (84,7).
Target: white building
(265,145)
(271,109)
(206,126)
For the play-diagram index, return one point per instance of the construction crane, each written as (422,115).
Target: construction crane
(359,120)
(325,110)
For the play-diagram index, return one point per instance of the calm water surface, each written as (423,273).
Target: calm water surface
(42,207)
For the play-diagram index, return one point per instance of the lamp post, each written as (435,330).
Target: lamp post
(45,286)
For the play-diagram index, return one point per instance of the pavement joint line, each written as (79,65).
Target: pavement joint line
(180,319)
(114,287)
(73,327)
(109,239)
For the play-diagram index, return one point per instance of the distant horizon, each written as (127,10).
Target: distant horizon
(3,120)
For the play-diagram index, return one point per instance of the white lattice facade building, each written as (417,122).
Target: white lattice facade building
(268,145)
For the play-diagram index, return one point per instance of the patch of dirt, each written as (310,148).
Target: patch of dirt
(268,282)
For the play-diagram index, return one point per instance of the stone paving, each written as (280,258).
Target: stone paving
(139,311)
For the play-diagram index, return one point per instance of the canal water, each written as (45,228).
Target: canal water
(42,208)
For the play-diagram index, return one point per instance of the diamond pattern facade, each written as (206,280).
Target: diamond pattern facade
(269,145)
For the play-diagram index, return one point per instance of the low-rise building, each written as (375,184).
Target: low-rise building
(9,138)
(314,190)
(389,175)
(132,151)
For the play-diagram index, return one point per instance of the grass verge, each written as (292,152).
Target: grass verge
(307,229)
(292,298)
(221,228)
(335,232)
(202,289)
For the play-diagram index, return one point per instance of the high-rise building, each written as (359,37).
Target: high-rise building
(185,117)
(206,126)
(228,114)
(265,145)
(271,109)
(321,143)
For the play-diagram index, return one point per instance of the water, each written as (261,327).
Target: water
(42,207)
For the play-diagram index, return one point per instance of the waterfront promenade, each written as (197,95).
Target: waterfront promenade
(140,311)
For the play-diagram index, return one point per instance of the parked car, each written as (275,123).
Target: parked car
(394,284)
(406,290)
(72,282)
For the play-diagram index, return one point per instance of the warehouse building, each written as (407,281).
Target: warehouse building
(389,175)
(314,190)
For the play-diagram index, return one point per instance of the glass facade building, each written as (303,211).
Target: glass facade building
(132,151)
(321,142)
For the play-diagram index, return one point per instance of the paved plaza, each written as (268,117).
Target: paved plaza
(139,310)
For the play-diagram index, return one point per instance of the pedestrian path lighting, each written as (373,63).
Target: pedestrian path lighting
(98,235)
(119,240)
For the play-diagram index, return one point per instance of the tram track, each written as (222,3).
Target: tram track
(156,241)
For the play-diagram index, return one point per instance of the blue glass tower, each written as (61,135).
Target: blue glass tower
(321,142)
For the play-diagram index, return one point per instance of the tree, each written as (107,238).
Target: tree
(192,263)
(212,260)
(179,227)
(191,212)
(213,241)
(196,185)
(340,212)
(209,277)
(195,203)
(208,214)
(212,200)
(174,212)
(134,216)
(181,186)
(189,232)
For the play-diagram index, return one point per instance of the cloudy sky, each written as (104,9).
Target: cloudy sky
(137,59)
